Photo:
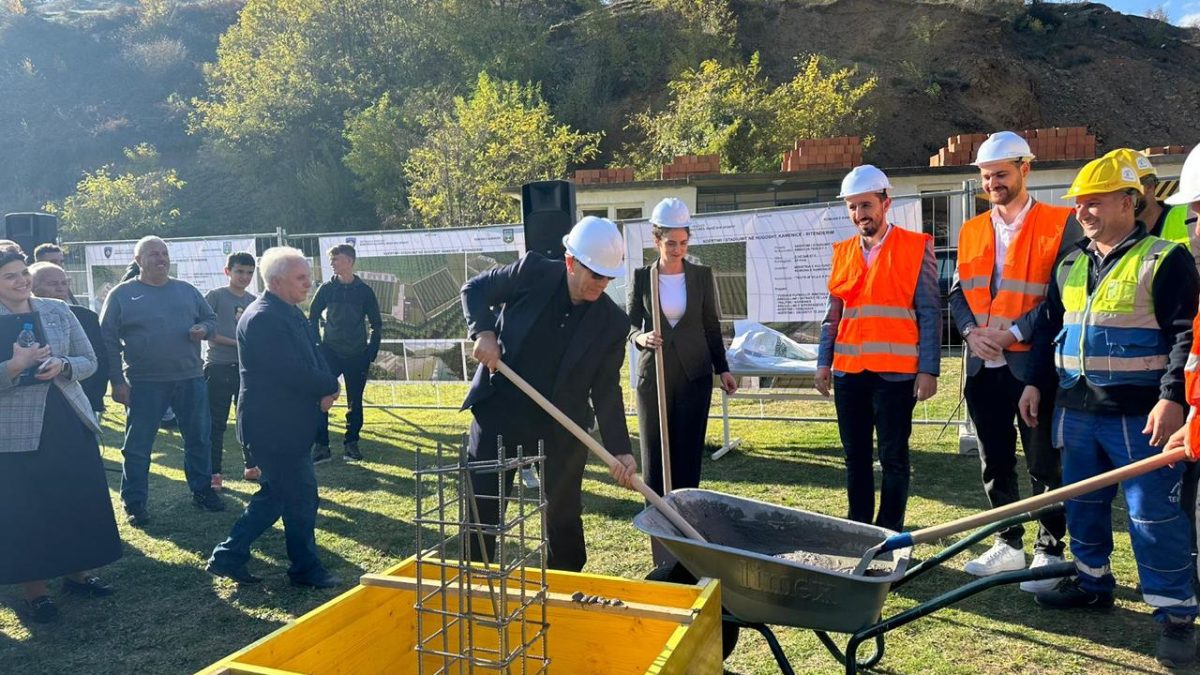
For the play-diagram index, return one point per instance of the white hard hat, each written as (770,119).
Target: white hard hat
(862,180)
(1003,146)
(670,213)
(597,244)
(1189,180)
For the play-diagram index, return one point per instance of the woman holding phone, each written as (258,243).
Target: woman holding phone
(692,348)
(56,516)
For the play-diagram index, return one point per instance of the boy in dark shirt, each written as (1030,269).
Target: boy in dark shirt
(346,303)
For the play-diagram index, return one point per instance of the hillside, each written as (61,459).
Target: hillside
(83,79)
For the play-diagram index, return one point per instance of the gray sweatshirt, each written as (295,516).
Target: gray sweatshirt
(149,326)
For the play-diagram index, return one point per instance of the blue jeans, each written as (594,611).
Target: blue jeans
(287,489)
(147,403)
(1158,528)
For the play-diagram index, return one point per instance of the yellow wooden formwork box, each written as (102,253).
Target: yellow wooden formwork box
(662,628)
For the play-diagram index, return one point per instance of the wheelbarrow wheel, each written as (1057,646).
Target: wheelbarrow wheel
(676,573)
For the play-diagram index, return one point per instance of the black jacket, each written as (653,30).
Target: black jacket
(345,307)
(1175,290)
(97,384)
(284,378)
(508,300)
(696,338)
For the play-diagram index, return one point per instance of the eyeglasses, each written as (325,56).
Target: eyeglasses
(595,275)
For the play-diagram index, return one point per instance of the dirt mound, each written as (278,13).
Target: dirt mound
(961,66)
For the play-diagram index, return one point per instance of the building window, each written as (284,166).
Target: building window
(935,216)
(631,213)
(599,213)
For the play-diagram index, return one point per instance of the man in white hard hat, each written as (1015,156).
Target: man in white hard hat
(881,338)
(552,323)
(1187,196)
(1006,258)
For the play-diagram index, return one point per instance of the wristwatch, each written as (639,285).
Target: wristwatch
(967,331)
(66,369)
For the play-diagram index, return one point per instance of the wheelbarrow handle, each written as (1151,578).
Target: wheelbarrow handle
(597,449)
(1046,500)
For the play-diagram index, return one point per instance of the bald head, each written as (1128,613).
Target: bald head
(50,281)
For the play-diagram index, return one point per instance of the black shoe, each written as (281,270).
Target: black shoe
(90,587)
(351,453)
(321,453)
(1177,644)
(1068,594)
(238,574)
(208,500)
(41,609)
(321,580)
(135,514)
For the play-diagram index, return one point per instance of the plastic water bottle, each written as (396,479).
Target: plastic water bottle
(26,338)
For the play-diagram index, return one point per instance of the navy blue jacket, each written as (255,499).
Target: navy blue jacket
(284,378)
(508,301)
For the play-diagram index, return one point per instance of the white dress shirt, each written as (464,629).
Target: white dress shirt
(1006,234)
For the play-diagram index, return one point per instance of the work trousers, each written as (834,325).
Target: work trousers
(223,382)
(561,477)
(992,395)
(688,402)
(147,403)
(868,403)
(1158,530)
(353,370)
(288,490)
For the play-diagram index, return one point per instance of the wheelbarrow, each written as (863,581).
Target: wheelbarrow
(789,567)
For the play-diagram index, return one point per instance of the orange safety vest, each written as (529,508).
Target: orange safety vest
(1191,374)
(878,330)
(1028,266)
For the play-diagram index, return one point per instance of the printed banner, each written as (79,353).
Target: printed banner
(201,263)
(770,266)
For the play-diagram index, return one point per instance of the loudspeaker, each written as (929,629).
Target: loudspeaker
(30,230)
(548,213)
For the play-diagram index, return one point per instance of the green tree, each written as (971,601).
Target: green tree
(733,111)
(123,203)
(379,144)
(503,134)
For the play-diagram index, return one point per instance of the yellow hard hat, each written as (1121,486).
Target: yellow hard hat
(1106,174)
(1137,159)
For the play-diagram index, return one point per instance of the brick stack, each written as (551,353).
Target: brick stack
(690,165)
(843,152)
(1168,150)
(959,151)
(598,176)
(1048,144)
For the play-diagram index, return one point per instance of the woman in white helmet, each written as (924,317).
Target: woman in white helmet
(693,349)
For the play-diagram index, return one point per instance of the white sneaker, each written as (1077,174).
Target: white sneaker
(1041,560)
(999,558)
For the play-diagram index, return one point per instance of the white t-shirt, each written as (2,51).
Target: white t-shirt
(672,297)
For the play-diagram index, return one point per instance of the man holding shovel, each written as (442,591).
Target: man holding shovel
(551,322)
(1114,336)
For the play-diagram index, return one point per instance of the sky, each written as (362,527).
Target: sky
(1181,11)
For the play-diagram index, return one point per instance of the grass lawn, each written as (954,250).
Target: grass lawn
(169,616)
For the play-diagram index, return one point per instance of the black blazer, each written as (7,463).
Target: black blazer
(284,378)
(696,338)
(508,300)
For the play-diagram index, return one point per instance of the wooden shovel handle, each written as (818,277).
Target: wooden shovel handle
(660,379)
(597,449)
(1061,494)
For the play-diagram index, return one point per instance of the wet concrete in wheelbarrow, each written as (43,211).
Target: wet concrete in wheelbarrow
(819,542)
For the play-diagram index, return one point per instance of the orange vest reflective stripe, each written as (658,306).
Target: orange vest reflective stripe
(1191,374)
(1026,274)
(878,330)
